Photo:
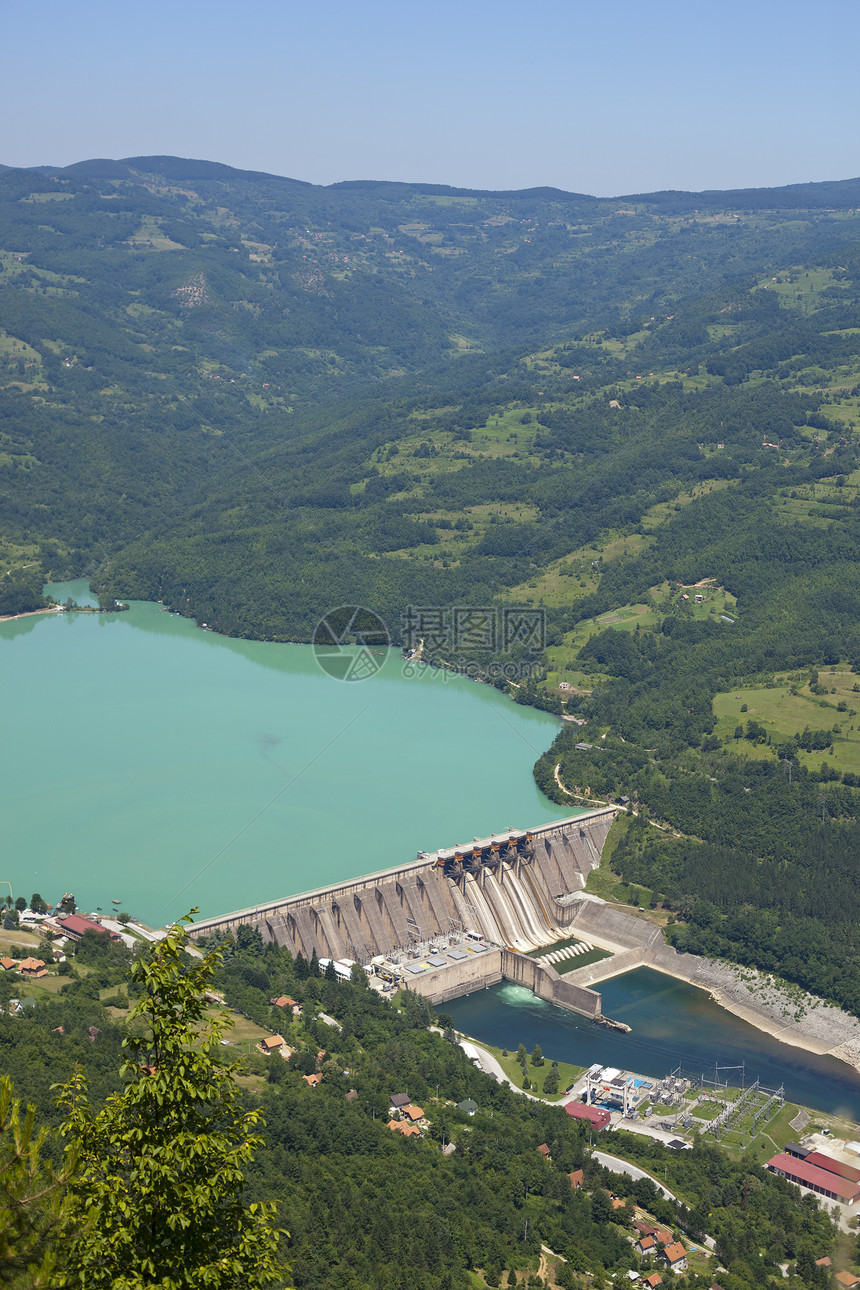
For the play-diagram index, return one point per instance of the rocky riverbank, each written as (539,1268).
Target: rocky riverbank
(773,1005)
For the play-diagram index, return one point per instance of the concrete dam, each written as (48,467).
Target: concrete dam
(506,894)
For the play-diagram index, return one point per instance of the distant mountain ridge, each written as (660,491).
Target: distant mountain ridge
(818,194)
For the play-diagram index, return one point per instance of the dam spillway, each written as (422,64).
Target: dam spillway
(512,890)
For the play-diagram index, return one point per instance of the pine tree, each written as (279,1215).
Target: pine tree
(36,1216)
(161,1171)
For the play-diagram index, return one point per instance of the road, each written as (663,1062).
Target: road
(619,1166)
(488,1063)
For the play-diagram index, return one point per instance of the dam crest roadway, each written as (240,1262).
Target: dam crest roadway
(458,919)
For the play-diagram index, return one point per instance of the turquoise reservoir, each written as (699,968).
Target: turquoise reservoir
(148,761)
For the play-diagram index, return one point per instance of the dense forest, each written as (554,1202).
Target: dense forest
(256,399)
(368,1210)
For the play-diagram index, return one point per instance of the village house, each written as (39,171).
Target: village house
(312,1080)
(661,1235)
(653,1279)
(284,1001)
(271,1044)
(407,1130)
(576,1179)
(646,1244)
(16,1006)
(32,968)
(675,1256)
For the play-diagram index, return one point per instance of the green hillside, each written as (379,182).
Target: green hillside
(256,399)
(481,1195)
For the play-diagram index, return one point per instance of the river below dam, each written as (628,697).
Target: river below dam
(672,1023)
(148,762)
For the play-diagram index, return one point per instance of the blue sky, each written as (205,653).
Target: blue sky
(599,96)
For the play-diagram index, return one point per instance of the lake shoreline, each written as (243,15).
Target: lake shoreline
(261,741)
(31,613)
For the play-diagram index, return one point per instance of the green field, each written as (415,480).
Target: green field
(787,706)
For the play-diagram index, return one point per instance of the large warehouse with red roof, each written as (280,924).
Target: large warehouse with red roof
(820,1173)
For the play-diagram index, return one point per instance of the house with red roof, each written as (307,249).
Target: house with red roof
(596,1116)
(284,1001)
(271,1044)
(675,1256)
(76,927)
(407,1130)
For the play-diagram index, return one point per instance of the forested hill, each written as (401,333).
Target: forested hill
(257,397)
